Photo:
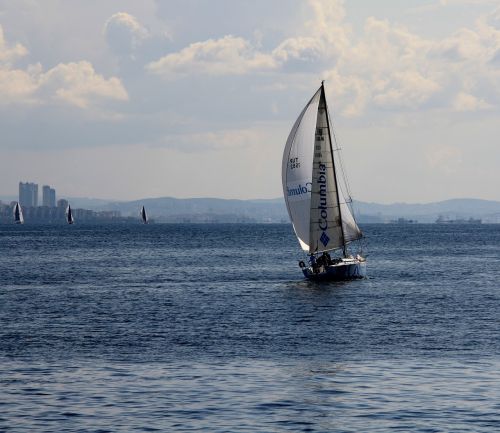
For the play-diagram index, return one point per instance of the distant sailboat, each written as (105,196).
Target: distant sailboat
(315,195)
(144,215)
(69,215)
(18,214)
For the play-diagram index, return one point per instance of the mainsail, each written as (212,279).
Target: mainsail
(18,214)
(144,216)
(320,214)
(69,215)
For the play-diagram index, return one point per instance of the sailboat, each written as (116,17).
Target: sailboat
(18,214)
(144,215)
(317,196)
(69,215)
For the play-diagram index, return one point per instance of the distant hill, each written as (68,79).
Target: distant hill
(487,210)
(205,209)
(170,209)
(274,210)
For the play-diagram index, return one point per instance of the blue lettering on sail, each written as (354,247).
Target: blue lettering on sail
(323,206)
(299,189)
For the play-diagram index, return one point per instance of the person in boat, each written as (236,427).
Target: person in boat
(327,260)
(314,263)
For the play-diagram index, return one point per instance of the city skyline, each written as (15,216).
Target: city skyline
(125,100)
(29,195)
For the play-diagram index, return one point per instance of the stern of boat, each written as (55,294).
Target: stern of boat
(346,269)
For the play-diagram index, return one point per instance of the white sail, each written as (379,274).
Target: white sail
(69,215)
(18,214)
(350,228)
(296,170)
(315,199)
(144,215)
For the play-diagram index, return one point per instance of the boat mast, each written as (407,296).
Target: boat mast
(334,168)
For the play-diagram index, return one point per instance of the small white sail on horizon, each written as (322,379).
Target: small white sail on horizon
(69,215)
(144,215)
(18,214)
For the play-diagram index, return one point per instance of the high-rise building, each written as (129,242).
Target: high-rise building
(52,199)
(28,194)
(48,196)
(62,203)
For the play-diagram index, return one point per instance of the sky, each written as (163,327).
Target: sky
(192,98)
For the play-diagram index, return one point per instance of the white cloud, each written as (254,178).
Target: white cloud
(407,89)
(124,34)
(70,83)
(226,56)
(467,102)
(463,45)
(75,83)
(305,49)
(9,54)
(78,84)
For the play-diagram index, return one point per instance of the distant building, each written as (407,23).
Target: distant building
(48,196)
(28,194)
(62,203)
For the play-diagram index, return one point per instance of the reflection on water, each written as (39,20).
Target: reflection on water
(258,395)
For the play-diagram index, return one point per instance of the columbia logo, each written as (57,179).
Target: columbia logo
(324,239)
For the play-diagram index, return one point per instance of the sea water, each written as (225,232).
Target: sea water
(212,328)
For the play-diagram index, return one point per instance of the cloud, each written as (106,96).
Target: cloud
(299,50)
(407,89)
(124,34)
(463,45)
(75,83)
(466,102)
(9,54)
(78,84)
(225,56)
(320,41)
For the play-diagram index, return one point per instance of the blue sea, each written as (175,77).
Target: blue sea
(212,328)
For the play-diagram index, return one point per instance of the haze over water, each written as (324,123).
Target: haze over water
(213,328)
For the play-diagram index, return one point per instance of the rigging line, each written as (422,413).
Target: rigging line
(338,151)
(323,95)
(349,202)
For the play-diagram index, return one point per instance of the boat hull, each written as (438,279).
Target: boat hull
(346,270)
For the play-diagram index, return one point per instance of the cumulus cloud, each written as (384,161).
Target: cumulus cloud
(124,34)
(387,67)
(225,56)
(466,102)
(75,83)
(78,84)
(9,54)
(407,89)
(321,41)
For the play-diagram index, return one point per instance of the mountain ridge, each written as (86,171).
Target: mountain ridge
(213,209)
(274,210)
